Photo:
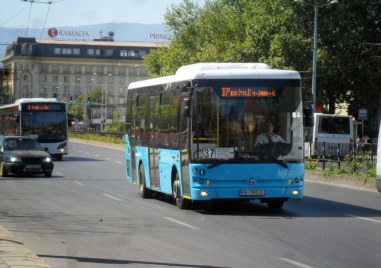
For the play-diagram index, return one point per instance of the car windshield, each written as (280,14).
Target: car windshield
(21,144)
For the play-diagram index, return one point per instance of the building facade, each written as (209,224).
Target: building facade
(66,69)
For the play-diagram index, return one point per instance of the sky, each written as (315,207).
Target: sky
(40,14)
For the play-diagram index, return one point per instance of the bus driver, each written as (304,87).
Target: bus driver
(268,136)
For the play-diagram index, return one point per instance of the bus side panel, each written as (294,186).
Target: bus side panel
(141,156)
(129,158)
(227,181)
(167,160)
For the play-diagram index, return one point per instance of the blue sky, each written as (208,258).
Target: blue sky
(21,13)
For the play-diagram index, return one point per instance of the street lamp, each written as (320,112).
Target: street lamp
(316,7)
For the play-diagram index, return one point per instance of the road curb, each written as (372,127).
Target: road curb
(340,179)
(14,254)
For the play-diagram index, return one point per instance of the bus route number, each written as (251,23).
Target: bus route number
(209,153)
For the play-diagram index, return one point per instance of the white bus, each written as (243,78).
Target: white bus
(42,118)
(331,135)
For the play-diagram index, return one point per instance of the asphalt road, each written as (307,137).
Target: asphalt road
(88,215)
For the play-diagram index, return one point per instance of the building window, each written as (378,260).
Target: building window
(66,89)
(99,79)
(66,69)
(55,69)
(123,53)
(109,52)
(77,69)
(77,90)
(122,70)
(57,51)
(100,70)
(142,53)
(55,78)
(66,79)
(89,79)
(122,80)
(90,52)
(110,70)
(67,51)
(26,49)
(110,90)
(44,78)
(132,53)
(76,51)
(25,78)
(43,68)
(89,69)
(77,79)
(110,79)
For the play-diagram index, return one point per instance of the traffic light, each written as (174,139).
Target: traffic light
(71,101)
(88,101)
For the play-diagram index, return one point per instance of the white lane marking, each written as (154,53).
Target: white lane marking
(364,218)
(182,223)
(108,158)
(118,162)
(112,197)
(298,264)
(79,183)
(57,173)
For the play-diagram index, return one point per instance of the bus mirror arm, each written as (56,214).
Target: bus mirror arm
(187,108)
(308,117)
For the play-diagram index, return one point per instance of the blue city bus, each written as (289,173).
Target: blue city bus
(193,135)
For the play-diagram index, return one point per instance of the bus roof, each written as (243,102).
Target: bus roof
(18,102)
(220,71)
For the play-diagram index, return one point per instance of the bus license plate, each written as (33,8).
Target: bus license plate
(252,192)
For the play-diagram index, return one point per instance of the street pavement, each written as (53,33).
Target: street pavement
(14,254)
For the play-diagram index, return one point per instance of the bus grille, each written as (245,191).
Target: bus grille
(128,168)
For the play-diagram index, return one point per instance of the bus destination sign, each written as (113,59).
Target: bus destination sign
(248,92)
(40,107)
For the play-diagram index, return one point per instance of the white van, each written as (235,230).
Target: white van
(378,166)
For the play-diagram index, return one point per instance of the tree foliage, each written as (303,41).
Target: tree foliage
(280,33)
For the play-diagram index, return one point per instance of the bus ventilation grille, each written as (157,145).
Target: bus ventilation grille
(128,168)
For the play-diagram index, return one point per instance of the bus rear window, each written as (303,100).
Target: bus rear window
(334,125)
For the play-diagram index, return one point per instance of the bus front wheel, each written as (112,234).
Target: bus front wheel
(144,192)
(181,202)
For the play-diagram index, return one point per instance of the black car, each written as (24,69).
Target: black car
(23,155)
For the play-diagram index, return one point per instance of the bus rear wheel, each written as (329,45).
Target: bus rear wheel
(180,201)
(144,192)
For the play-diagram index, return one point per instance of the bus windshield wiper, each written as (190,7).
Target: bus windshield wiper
(275,160)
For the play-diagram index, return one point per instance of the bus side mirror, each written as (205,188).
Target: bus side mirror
(308,117)
(187,108)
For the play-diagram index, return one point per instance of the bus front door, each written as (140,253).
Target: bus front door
(154,114)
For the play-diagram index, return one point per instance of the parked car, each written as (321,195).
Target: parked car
(23,155)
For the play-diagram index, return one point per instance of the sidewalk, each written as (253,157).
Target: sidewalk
(14,254)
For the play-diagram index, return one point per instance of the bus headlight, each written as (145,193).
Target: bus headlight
(295,192)
(204,193)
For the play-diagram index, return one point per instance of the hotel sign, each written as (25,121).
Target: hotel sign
(54,32)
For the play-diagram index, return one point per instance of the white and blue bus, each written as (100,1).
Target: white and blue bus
(193,135)
(42,118)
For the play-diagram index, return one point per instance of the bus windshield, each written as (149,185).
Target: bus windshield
(47,126)
(232,121)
